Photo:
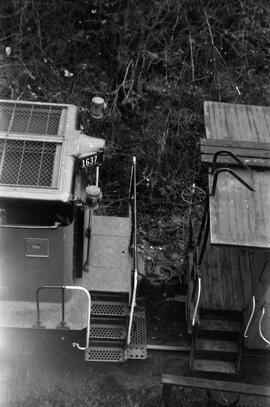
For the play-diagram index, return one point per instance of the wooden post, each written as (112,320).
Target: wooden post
(166,395)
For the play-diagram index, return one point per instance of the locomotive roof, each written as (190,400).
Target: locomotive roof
(239,216)
(37,146)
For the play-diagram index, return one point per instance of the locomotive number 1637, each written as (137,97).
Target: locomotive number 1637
(90,160)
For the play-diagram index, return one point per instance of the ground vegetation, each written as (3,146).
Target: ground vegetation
(155,63)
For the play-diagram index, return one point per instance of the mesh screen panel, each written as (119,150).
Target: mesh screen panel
(28,163)
(30,119)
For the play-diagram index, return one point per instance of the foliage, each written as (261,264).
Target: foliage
(155,62)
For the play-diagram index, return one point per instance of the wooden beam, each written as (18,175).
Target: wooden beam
(218,385)
(235,144)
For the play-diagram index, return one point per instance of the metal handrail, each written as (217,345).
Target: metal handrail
(251,316)
(204,243)
(260,326)
(133,192)
(204,220)
(225,169)
(229,153)
(54,226)
(63,323)
(197,302)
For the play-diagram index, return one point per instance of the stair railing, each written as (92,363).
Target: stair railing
(260,326)
(133,243)
(230,154)
(188,196)
(253,285)
(251,316)
(63,323)
(225,169)
(194,317)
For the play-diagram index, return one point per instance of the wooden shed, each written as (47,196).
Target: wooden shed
(229,256)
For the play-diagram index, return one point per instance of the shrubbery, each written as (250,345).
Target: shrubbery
(155,62)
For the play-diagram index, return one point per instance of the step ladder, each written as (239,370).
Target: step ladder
(108,329)
(217,345)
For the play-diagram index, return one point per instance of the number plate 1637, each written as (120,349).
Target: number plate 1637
(90,160)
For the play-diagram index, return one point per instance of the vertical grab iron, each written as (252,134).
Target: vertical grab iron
(132,197)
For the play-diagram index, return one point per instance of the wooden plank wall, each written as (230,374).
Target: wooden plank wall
(237,122)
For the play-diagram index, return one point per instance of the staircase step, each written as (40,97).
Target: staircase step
(214,366)
(107,331)
(219,325)
(221,314)
(103,353)
(109,296)
(107,339)
(203,344)
(109,308)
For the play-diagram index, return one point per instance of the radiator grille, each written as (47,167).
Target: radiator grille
(22,118)
(28,163)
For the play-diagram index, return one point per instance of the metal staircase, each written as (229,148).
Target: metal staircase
(117,326)
(216,345)
(109,327)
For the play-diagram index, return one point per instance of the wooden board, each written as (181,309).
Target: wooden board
(221,279)
(250,153)
(225,386)
(238,216)
(226,121)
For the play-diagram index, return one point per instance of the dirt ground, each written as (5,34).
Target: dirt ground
(56,376)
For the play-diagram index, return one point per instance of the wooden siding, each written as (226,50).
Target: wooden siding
(222,287)
(237,122)
(238,216)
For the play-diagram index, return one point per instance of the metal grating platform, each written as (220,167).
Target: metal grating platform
(105,308)
(107,332)
(104,354)
(138,346)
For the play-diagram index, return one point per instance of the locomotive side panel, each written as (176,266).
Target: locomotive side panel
(35,257)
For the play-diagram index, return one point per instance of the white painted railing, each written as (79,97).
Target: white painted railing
(251,316)
(260,326)
(132,194)
(197,302)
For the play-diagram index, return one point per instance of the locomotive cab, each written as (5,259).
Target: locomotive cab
(42,204)
(59,261)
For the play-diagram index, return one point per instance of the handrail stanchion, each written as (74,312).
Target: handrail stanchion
(260,326)
(197,302)
(135,252)
(251,316)
(63,323)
